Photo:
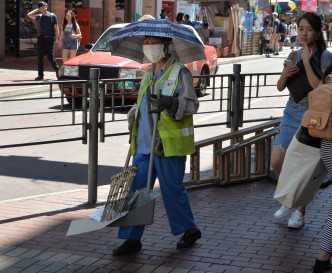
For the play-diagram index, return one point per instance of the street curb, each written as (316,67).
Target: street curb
(26,91)
(38,89)
(221,61)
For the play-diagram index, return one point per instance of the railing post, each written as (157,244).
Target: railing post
(93,137)
(235,113)
(236,95)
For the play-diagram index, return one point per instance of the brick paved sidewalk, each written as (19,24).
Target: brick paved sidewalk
(239,235)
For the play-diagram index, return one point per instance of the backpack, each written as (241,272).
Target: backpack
(281,28)
(318,119)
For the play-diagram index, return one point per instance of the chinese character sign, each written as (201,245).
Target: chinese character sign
(309,5)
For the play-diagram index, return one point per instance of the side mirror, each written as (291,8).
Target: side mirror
(89,46)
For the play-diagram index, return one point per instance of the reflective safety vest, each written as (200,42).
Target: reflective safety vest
(177,135)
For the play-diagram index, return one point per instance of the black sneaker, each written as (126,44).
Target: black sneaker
(39,78)
(325,184)
(275,53)
(189,238)
(321,266)
(128,247)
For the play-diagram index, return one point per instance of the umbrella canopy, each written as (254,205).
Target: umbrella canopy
(186,45)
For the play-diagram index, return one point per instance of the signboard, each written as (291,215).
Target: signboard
(169,6)
(221,23)
(324,2)
(309,5)
(149,7)
(139,9)
(83,20)
(263,4)
(186,8)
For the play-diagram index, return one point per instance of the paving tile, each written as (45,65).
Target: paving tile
(30,253)
(9,262)
(163,269)
(34,268)
(45,255)
(26,262)
(239,235)
(146,268)
(16,251)
(5,249)
(55,267)
(12,270)
(131,267)
(180,270)
(72,259)
(87,261)
(59,257)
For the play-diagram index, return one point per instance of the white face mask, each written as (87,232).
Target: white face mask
(154,53)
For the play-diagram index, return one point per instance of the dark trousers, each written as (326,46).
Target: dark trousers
(45,46)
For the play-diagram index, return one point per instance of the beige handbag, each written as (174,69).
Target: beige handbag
(302,173)
(318,119)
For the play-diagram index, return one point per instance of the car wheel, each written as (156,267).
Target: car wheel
(78,101)
(202,84)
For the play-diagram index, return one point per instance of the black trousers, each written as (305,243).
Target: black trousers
(45,46)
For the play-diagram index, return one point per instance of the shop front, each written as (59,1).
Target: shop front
(21,33)
(232,26)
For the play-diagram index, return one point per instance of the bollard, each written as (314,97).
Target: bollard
(236,94)
(93,137)
(235,111)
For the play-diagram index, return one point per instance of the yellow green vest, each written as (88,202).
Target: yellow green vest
(177,135)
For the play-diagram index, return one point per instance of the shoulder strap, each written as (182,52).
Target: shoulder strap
(51,17)
(294,55)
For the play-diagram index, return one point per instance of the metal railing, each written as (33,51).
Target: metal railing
(50,95)
(232,94)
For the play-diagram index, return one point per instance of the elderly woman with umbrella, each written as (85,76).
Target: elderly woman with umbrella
(152,41)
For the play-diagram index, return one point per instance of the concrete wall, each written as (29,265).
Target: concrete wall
(2,30)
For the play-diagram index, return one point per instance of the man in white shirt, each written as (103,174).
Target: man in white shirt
(292,32)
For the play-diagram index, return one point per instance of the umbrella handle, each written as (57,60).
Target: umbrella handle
(153,143)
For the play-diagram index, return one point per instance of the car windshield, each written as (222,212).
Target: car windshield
(101,44)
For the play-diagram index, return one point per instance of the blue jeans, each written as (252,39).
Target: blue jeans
(290,122)
(170,172)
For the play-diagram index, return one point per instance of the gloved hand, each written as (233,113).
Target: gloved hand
(164,102)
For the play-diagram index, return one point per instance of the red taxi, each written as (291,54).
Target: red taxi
(115,67)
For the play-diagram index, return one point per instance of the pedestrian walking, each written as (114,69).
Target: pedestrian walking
(282,32)
(49,33)
(323,263)
(329,32)
(266,36)
(179,18)
(175,137)
(70,33)
(275,33)
(187,21)
(205,33)
(163,15)
(308,62)
(292,32)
